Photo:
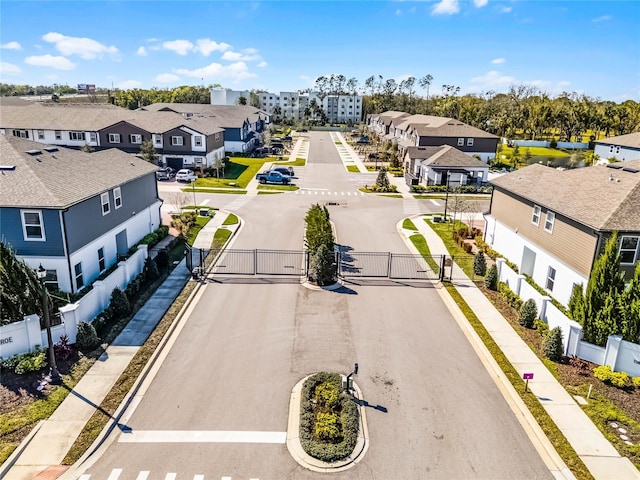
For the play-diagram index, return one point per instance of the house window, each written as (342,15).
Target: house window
(104,200)
(58,135)
(548,223)
(617,150)
(101,263)
(629,249)
(177,141)
(32,225)
(611,149)
(40,134)
(135,138)
(117,197)
(535,218)
(93,137)
(217,137)
(198,140)
(76,135)
(21,133)
(78,275)
(461,142)
(114,138)
(51,279)
(469,142)
(551,279)
(157,138)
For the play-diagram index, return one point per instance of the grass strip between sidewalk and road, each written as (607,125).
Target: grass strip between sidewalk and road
(550,429)
(298,162)
(126,381)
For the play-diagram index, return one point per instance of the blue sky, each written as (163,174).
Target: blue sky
(590,47)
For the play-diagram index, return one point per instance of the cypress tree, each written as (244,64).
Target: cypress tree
(630,308)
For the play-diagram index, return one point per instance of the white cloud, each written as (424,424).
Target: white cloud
(480,3)
(603,18)
(129,84)
(59,63)
(11,46)
(181,47)
(398,12)
(85,48)
(167,78)
(206,46)
(446,7)
(9,69)
(235,71)
(142,52)
(497,61)
(262,64)
(491,80)
(246,55)
(506,9)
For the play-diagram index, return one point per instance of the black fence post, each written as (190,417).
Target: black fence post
(389,260)
(441,273)
(451,269)
(255,261)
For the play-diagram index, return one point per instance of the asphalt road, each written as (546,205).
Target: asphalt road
(436,413)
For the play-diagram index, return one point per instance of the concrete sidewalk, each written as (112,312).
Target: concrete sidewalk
(597,453)
(40,454)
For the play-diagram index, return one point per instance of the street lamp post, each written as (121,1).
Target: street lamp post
(446,197)
(53,367)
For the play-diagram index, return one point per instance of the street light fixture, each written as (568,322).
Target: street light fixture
(53,372)
(446,197)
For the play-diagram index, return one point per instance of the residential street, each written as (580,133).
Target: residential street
(434,412)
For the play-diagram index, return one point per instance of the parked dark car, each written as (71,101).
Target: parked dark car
(363,139)
(287,139)
(166,173)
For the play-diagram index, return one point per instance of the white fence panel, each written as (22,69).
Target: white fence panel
(573,145)
(590,352)
(508,276)
(530,143)
(628,359)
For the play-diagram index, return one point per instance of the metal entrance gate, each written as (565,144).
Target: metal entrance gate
(260,262)
(389,265)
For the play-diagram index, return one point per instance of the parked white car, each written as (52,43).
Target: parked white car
(185,175)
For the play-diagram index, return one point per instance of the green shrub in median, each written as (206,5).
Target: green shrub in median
(552,344)
(479,264)
(491,280)
(329,419)
(26,362)
(617,379)
(119,303)
(86,338)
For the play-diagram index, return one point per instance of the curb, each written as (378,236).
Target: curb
(13,458)
(305,460)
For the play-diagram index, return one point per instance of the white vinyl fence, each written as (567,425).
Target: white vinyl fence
(545,143)
(620,355)
(24,336)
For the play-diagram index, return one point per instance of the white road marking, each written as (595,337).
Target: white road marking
(143,475)
(225,478)
(434,202)
(115,474)
(85,477)
(204,202)
(206,436)
(170,476)
(198,477)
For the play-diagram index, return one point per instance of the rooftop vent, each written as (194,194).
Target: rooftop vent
(614,166)
(33,152)
(630,170)
(7,167)
(50,149)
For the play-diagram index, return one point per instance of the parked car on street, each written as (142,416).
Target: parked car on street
(284,170)
(166,173)
(185,175)
(271,176)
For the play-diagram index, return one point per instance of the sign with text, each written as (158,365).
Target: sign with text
(527,376)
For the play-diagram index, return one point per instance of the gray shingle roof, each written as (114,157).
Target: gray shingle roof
(226,116)
(450,128)
(82,118)
(443,156)
(631,140)
(62,178)
(600,197)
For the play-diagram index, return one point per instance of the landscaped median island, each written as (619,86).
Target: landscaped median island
(329,419)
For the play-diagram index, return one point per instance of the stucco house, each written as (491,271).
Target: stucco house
(242,124)
(622,147)
(432,165)
(73,212)
(553,224)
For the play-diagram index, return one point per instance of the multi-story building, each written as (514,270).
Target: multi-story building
(224,96)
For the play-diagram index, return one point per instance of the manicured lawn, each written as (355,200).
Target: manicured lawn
(193,231)
(231,219)
(353,168)
(285,188)
(238,171)
(536,152)
(298,162)
(268,192)
(215,190)
(421,245)
(220,238)
(408,224)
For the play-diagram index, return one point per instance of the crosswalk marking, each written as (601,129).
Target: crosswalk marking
(337,194)
(203,436)
(115,474)
(434,202)
(144,474)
